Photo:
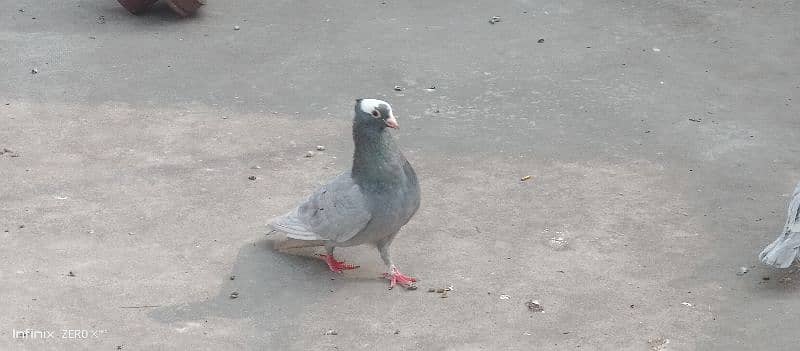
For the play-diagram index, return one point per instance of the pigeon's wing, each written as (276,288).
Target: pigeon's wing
(793,218)
(337,211)
(783,251)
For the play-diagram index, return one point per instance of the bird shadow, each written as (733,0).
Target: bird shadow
(271,288)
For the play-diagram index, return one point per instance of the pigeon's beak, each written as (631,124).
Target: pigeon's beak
(391,122)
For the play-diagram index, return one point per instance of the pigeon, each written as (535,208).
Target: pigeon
(367,204)
(783,251)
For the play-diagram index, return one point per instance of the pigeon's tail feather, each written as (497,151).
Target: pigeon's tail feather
(783,251)
(293,227)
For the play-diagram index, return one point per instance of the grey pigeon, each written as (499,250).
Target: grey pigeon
(366,205)
(783,251)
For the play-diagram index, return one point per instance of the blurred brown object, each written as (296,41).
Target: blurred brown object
(136,6)
(182,7)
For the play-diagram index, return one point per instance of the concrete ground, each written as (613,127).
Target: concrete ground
(660,137)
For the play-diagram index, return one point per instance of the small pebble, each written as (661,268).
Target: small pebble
(310,154)
(540,41)
(558,243)
(251,177)
(236,28)
(320,148)
(234,294)
(535,306)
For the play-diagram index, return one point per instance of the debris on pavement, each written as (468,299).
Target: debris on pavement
(541,40)
(234,294)
(34,71)
(742,271)
(494,19)
(142,306)
(504,297)
(527,177)
(71,274)
(686,304)
(320,148)
(534,306)
(310,154)
(398,88)
(695,119)
(442,291)
(236,27)
(331,332)
(252,177)
(657,344)
(558,243)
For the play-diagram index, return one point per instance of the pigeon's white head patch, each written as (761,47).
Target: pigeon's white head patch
(370,106)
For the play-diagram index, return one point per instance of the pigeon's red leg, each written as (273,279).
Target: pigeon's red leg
(337,266)
(395,277)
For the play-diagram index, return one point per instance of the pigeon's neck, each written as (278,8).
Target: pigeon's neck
(376,157)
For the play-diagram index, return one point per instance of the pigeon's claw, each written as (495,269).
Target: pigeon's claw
(337,266)
(395,277)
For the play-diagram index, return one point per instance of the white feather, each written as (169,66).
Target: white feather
(369,105)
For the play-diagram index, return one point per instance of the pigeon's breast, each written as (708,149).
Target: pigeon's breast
(391,209)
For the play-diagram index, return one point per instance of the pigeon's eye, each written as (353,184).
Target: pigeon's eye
(375,113)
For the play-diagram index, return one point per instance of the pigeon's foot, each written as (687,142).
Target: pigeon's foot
(337,266)
(395,277)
